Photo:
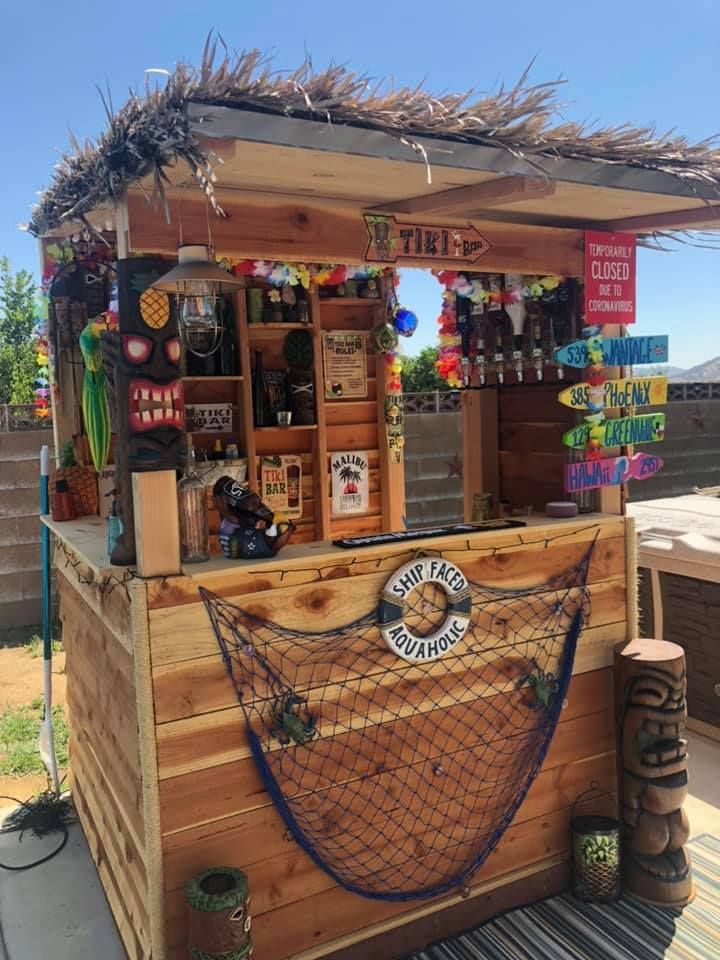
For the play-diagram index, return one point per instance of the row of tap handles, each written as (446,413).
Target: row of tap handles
(483,334)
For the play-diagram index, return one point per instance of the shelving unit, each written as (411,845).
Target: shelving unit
(293,426)
(211,379)
(341,425)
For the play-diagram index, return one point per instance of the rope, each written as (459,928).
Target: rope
(399,779)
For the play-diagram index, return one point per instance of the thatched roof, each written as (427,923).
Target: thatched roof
(153,131)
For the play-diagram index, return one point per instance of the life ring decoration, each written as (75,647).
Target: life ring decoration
(392,609)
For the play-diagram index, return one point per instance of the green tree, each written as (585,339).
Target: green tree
(17,316)
(419,374)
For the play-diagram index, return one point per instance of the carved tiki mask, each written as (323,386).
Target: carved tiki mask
(143,363)
(148,378)
(655,783)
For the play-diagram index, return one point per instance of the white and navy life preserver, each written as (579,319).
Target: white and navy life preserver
(393,607)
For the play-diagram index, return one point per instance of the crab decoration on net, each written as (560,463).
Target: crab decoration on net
(542,686)
(291,722)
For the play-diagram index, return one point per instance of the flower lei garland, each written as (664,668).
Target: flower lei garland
(450,348)
(291,274)
(42,359)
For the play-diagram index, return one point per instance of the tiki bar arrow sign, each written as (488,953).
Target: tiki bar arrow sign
(616,351)
(638,392)
(392,242)
(590,474)
(649,428)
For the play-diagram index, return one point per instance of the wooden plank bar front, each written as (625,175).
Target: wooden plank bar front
(163,776)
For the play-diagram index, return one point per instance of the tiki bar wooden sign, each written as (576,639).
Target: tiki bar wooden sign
(391,241)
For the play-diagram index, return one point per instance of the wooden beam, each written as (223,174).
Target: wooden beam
(708,214)
(474,197)
(278,229)
(481,465)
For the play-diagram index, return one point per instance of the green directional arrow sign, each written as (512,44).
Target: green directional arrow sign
(649,428)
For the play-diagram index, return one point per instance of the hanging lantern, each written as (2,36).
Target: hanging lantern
(405,321)
(198,284)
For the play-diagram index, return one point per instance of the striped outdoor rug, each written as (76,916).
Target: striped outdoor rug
(562,928)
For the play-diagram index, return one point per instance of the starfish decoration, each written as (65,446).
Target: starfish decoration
(455,467)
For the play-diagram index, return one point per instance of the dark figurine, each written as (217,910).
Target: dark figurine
(242,511)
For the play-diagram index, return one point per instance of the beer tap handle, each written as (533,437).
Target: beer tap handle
(465,326)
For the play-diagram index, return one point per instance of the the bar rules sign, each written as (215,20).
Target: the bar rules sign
(609,278)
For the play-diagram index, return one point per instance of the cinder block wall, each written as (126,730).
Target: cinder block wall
(19,527)
(690,451)
(432,442)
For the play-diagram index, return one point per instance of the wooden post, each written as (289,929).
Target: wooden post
(651,714)
(481,464)
(612,499)
(245,413)
(157,528)
(319,440)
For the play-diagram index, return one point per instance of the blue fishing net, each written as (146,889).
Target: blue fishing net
(397,778)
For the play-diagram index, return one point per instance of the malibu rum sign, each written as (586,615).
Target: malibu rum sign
(393,241)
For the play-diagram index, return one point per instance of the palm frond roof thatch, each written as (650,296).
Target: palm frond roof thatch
(153,130)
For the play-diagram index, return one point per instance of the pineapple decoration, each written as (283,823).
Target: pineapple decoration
(154,304)
(81,481)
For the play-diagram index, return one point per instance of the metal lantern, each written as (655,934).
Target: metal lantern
(198,284)
(596,854)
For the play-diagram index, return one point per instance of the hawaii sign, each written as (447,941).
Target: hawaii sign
(590,474)
(638,392)
(649,428)
(616,351)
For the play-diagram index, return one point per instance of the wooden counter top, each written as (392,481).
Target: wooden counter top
(87,538)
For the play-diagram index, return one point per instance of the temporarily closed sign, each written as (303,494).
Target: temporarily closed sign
(609,277)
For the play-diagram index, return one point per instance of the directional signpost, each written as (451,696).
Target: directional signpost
(591,474)
(649,428)
(616,351)
(638,392)
(609,297)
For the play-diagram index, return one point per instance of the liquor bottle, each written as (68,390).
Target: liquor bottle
(293,486)
(192,508)
(228,347)
(259,404)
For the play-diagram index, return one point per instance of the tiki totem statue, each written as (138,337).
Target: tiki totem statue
(652,762)
(142,362)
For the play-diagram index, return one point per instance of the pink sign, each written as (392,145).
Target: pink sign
(609,277)
(610,471)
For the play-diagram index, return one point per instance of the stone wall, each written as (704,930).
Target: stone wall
(432,444)
(20,587)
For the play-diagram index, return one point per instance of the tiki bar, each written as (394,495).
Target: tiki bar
(298,726)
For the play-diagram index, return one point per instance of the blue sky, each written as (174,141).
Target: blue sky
(645,61)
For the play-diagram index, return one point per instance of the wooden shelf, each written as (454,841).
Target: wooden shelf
(294,426)
(352,301)
(229,379)
(255,328)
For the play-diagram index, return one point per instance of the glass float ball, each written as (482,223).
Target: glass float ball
(385,337)
(405,321)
